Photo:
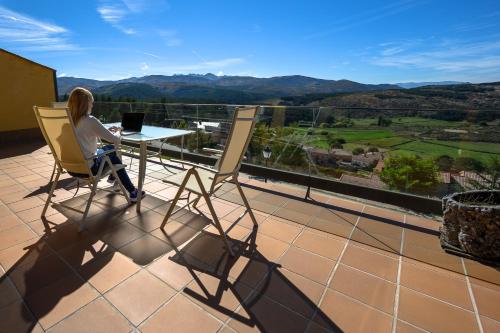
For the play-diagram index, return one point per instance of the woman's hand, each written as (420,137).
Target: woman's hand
(114,129)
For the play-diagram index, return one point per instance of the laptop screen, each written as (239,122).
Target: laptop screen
(132,121)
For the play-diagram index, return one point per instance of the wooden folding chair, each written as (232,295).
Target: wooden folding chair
(204,181)
(58,130)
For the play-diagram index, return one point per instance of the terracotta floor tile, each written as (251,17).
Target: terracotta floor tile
(428,313)
(17,318)
(375,227)
(289,289)
(307,264)
(175,275)
(364,287)
(334,226)
(403,327)
(482,272)
(436,284)
(324,246)
(180,315)
(270,248)
(15,235)
(347,204)
(376,242)
(283,231)
(9,221)
(121,235)
(175,233)
(250,271)
(236,232)
(312,290)
(98,317)
(106,272)
(434,258)
(487,300)
(145,249)
(246,220)
(223,296)
(261,314)
(422,239)
(341,313)
(32,214)
(147,221)
(338,214)
(299,217)
(24,253)
(422,222)
(31,277)
(374,263)
(58,300)
(139,296)
(490,325)
(26,203)
(8,293)
(221,208)
(384,213)
(84,252)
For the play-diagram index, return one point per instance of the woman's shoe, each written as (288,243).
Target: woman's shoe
(134,194)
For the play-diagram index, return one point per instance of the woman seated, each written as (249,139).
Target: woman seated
(89,129)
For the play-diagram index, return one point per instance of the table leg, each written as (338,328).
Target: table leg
(182,148)
(142,173)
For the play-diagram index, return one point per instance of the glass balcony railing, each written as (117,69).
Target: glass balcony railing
(419,151)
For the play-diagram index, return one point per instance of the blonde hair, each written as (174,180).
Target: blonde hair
(79,102)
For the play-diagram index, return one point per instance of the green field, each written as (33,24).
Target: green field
(399,139)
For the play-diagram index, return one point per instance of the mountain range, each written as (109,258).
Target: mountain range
(212,88)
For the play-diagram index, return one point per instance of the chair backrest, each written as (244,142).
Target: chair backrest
(59,131)
(237,142)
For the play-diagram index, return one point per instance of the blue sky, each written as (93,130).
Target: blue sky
(360,40)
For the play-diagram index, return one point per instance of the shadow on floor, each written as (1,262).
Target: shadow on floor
(257,283)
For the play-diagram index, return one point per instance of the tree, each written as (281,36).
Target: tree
(410,174)
(468,164)
(490,175)
(358,151)
(445,162)
(372,150)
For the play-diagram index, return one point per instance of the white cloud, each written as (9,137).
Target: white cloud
(170,37)
(364,17)
(115,14)
(444,56)
(62,75)
(144,67)
(152,55)
(220,73)
(19,30)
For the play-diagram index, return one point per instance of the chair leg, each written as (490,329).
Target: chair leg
(245,201)
(115,174)
(51,192)
(89,202)
(53,173)
(217,223)
(176,198)
(206,196)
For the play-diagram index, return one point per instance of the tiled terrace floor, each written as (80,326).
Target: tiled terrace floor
(331,265)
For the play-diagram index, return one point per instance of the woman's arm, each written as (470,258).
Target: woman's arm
(103,132)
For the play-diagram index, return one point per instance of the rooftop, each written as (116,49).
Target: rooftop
(324,265)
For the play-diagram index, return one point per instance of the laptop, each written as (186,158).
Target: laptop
(132,122)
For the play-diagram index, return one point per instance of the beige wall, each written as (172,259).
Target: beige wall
(22,85)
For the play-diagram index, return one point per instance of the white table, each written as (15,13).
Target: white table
(148,134)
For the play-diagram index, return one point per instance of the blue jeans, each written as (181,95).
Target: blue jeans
(122,174)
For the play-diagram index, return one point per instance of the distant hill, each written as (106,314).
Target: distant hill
(409,85)
(223,89)
(462,96)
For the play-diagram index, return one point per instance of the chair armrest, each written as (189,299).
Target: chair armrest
(194,165)
(106,152)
